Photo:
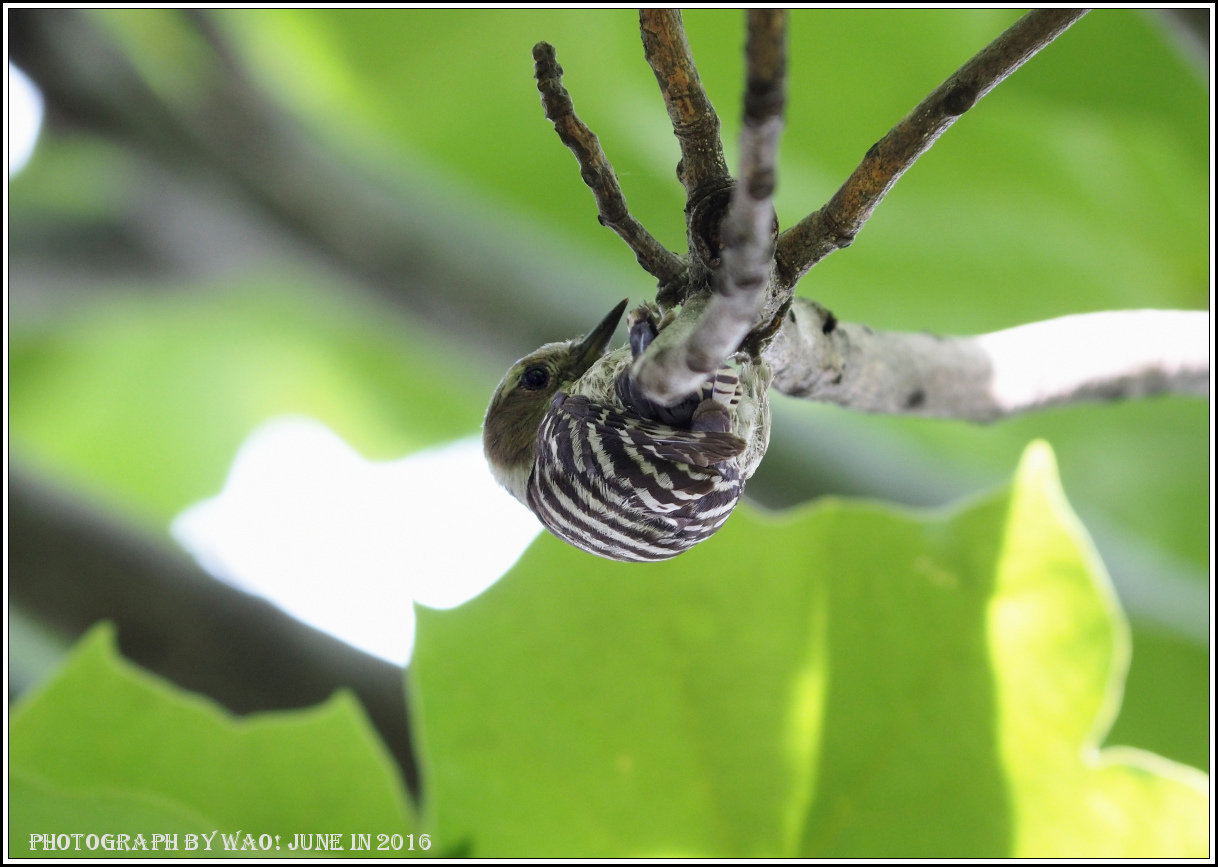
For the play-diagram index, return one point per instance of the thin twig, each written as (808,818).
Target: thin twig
(594,168)
(694,121)
(835,225)
(680,358)
(1085,357)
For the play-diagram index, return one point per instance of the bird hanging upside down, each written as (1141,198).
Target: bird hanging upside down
(570,435)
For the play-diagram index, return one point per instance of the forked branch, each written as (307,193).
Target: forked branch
(682,356)
(835,225)
(739,272)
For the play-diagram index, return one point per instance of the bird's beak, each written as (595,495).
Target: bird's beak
(593,346)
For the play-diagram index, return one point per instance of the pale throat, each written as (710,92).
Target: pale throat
(514,477)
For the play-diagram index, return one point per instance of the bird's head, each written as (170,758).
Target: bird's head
(509,432)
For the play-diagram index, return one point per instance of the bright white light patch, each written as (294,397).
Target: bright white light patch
(346,544)
(24,118)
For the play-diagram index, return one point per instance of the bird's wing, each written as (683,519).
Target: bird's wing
(610,483)
(697,448)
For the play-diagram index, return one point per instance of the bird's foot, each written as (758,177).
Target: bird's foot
(644,323)
(711,415)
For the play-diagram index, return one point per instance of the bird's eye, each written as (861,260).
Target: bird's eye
(535,378)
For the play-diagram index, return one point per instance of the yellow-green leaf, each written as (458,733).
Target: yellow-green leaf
(847,681)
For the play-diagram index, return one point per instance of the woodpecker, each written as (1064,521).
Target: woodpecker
(604,468)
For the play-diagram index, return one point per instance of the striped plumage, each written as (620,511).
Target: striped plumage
(607,470)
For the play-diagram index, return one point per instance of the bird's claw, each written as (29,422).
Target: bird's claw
(644,323)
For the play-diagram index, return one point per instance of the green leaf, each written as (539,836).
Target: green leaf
(1060,647)
(39,809)
(1166,706)
(108,740)
(846,681)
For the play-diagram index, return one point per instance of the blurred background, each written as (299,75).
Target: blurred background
(267,266)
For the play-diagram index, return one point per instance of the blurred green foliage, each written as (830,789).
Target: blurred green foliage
(146,399)
(1079,184)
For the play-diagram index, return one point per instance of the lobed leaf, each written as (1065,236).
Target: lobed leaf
(847,681)
(106,745)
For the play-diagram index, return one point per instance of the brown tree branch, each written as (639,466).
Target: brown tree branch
(681,357)
(835,225)
(694,121)
(667,267)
